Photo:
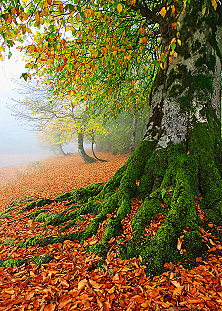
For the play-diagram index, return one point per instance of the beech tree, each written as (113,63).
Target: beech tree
(181,153)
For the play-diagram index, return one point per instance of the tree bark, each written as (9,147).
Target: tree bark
(83,154)
(133,134)
(61,149)
(180,153)
(93,152)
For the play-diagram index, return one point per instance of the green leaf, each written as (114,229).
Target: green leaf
(24,76)
(163,192)
(173,46)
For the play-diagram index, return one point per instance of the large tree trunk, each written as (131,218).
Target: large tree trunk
(185,127)
(181,154)
(81,150)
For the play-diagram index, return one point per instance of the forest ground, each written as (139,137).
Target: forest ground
(68,282)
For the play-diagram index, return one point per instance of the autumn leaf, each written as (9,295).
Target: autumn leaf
(9,291)
(214,4)
(63,303)
(178,290)
(152,293)
(50,307)
(111,290)
(179,242)
(29,295)
(82,284)
(175,283)
(83,297)
(199,259)
(163,12)
(119,7)
(94,284)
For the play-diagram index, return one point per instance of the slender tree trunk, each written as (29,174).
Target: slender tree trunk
(133,134)
(83,154)
(92,146)
(61,149)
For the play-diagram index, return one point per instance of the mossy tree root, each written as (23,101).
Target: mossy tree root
(149,174)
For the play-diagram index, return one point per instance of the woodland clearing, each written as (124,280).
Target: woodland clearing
(68,281)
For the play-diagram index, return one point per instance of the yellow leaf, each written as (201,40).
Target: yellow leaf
(179,41)
(119,7)
(214,4)
(204,10)
(163,12)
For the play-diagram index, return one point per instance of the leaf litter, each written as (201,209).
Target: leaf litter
(68,282)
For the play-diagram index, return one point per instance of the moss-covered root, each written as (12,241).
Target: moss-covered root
(210,180)
(39,260)
(127,189)
(182,220)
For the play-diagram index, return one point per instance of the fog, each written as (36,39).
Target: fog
(18,143)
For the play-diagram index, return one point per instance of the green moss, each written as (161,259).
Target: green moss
(205,59)
(194,246)
(63,197)
(209,176)
(38,203)
(203,82)
(150,208)
(42,217)
(7,212)
(13,262)
(39,260)
(36,213)
(113,229)
(100,249)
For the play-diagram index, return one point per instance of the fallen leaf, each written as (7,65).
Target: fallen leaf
(82,284)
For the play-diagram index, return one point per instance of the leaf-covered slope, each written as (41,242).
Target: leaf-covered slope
(74,279)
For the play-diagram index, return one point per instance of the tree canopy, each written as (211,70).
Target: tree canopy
(107,48)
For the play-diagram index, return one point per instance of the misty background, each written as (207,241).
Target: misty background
(18,143)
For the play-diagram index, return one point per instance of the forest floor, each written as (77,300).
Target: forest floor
(67,282)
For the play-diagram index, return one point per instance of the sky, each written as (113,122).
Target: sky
(16,137)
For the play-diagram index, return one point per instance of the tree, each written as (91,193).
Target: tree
(181,151)
(56,121)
